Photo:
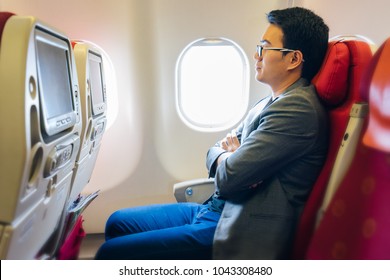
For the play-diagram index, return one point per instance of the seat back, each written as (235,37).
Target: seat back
(337,84)
(93,103)
(40,126)
(356,224)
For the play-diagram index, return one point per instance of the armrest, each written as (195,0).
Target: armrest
(197,190)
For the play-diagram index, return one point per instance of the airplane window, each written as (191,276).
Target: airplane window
(212,84)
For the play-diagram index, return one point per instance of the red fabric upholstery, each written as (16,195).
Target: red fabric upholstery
(71,247)
(331,80)
(337,81)
(4,16)
(356,224)
(378,132)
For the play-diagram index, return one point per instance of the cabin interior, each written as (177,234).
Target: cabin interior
(146,147)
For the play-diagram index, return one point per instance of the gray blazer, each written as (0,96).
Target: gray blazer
(283,147)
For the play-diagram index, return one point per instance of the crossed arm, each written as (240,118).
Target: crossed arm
(230,144)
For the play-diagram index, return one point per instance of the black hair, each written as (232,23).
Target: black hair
(305,31)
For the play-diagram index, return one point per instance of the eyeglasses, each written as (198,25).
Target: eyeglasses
(260,49)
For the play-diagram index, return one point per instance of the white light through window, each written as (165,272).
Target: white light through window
(212,84)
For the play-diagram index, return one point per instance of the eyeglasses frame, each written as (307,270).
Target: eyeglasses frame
(259,50)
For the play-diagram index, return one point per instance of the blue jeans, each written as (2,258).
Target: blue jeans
(168,231)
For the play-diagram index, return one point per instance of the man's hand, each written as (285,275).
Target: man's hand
(230,143)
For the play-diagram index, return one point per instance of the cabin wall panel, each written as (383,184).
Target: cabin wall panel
(368,18)
(180,149)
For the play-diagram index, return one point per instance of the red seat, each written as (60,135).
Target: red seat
(337,84)
(356,225)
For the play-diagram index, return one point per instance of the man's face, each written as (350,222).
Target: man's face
(271,66)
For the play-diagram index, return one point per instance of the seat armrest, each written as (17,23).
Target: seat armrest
(197,190)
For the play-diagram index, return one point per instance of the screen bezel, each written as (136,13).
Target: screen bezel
(98,108)
(56,124)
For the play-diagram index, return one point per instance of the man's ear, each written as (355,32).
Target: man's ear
(296,59)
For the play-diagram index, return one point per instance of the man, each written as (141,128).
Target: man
(266,179)
(264,170)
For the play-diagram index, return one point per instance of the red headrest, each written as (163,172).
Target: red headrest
(331,81)
(4,16)
(377,134)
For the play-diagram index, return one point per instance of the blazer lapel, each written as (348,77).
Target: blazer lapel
(253,119)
